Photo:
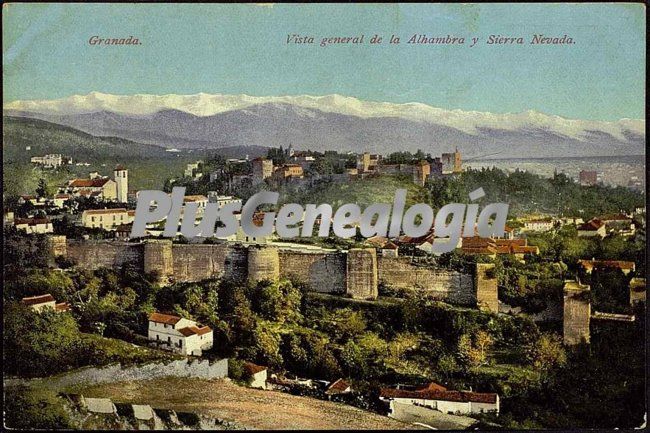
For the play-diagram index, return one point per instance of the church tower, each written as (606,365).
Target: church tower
(121,175)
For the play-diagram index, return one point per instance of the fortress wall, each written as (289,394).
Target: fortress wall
(322,272)
(195,262)
(362,274)
(263,263)
(98,254)
(448,286)
(487,293)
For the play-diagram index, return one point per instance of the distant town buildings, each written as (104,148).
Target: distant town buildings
(538,225)
(101,188)
(588,177)
(262,170)
(179,335)
(53,160)
(451,162)
(193,170)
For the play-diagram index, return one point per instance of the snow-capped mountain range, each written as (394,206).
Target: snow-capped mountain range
(332,122)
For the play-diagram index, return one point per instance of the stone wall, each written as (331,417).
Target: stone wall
(362,274)
(485,282)
(577,313)
(195,262)
(263,263)
(203,369)
(322,272)
(98,254)
(444,285)
(356,273)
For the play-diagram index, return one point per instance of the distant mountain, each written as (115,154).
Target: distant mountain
(333,122)
(47,137)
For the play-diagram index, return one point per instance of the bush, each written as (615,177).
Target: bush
(28,408)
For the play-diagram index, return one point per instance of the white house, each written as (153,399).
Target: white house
(34,225)
(107,219)
(42,302)
(592,228)
(543,225)
(179,335)
(257,373)
(437,397)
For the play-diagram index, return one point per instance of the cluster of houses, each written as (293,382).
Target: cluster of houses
(447,164)
(596,227)
(101,188)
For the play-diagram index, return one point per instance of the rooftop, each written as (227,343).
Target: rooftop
(40,299)
(438,392)
(167,319)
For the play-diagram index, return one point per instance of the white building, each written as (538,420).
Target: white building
(222,200)
(437,397)
(34,225)
(538,225)
(121,176)
(179,335)
(592,228)
(43,302)
(107,219)
(257,374)
(59,200)
(52,160)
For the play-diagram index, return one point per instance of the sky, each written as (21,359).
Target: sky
(235,49)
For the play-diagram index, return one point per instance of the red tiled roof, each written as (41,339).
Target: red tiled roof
(432,386)
(164,318)
(105,211)
(88,183)
(615,217)
(31,221)
(40,299)
(193,330)
(339,386)
(518,249)
(62,306)
(591,225)
(590,264)
(510,242)
(390,246)
(444,395)
(253,368)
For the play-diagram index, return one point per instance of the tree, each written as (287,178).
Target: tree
(43,190)
(547,352)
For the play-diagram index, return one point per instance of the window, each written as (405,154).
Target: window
(180,342)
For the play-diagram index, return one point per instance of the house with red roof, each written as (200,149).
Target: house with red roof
(41,303)
(437,397)
(337,387)
(593,227)
(257,374)
(178,334)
